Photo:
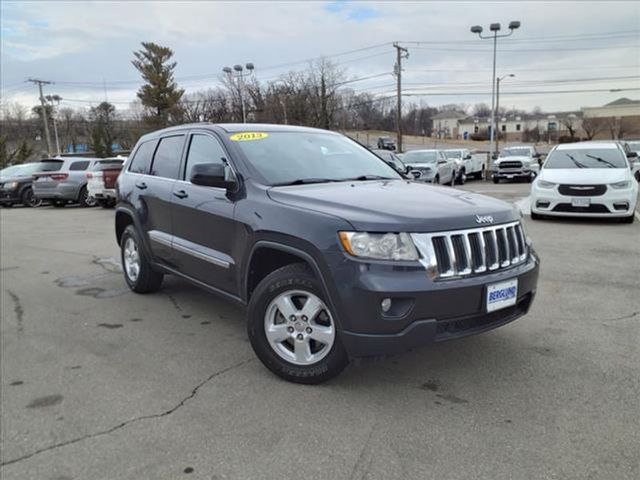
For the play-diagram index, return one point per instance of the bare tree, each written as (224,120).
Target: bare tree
(592,126)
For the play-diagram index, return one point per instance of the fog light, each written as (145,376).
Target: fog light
(385,304)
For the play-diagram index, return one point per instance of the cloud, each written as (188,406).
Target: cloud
(91,41)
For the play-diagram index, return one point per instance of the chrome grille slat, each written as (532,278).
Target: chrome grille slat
(472,251)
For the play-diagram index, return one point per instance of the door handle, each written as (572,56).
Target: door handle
(141,185)
(181,194)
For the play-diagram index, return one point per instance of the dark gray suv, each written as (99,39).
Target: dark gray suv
(334,253)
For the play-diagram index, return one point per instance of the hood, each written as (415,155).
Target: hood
(584,176)
(19,178)
(518,158)
(396,205)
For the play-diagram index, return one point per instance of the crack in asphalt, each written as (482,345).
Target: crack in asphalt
(624,317)
(108,431)
(18,309)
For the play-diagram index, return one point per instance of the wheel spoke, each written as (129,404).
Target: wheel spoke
(322,334)
(302,351)
(312,307)
(286,306)
(277,333)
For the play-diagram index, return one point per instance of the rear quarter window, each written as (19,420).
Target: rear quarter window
(141,161)
(80,165)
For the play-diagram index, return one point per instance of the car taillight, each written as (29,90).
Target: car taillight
(59,176)
(89,175)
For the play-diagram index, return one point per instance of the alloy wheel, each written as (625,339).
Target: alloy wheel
(131,258)
(299,327)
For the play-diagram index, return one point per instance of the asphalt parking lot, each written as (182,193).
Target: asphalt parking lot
(100,383)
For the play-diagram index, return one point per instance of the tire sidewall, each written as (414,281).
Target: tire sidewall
(272,286)
(130,232)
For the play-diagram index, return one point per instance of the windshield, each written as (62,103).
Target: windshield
(420,156)
(586,158)
(634,146)
(283,158)
(454,154)
(516,152)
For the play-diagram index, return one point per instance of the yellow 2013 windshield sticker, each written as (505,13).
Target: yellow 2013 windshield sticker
(248,136)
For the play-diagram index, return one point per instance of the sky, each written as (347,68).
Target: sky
(85,47)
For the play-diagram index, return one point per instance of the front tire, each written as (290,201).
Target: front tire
(536,216)
(496,180)
(436,180)
(138,273)
(28,199)
(462,177)
(292,329)
(629,219)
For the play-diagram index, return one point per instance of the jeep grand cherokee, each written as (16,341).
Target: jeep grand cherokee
(335,254)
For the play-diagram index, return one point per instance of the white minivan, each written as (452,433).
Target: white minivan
(586,179)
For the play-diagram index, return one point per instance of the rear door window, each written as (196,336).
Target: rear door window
(80,165)
(166,162)
(142,159)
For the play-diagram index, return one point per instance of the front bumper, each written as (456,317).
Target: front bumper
(426,311)
(613,204)
(511,174)
(9,196)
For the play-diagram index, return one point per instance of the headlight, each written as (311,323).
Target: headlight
(11,185)
(545,184)
(620,185)
(381,246)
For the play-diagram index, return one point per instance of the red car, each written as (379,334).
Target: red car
(102,181)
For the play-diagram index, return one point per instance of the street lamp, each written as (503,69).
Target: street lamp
(498,80)
(51,99)
(495,28)
(239,75)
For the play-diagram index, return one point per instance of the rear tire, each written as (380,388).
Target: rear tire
(106,203)
(58,203)
(294,347)
(138,272)
(85,200)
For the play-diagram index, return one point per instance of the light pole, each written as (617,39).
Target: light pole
(239,75)
(498,80)
(51,99)
(495,28)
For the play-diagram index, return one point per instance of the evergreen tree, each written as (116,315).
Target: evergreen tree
(160,94)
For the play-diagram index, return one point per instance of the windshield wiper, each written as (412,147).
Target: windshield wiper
(578,164)
(305,181)
(611,165)
(367,177)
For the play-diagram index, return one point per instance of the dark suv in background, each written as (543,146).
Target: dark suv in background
(333,252)
(16,182)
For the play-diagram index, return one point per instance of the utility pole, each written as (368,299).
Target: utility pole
(44,111)
(401,53)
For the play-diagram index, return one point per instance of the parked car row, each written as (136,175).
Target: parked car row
(61,181)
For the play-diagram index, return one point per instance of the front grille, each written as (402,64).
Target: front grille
(582,190)
(474,251)
(593,208)
(510,165)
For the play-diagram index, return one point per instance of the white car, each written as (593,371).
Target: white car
(586,179)
(433,165)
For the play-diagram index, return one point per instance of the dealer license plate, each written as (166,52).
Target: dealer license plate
(502,295)
(580,202)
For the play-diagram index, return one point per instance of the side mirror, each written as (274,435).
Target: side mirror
(468,157)
(416,174)
(632,154)
(211,175)
(441,162)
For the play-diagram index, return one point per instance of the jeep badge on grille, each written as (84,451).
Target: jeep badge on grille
(484,219)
